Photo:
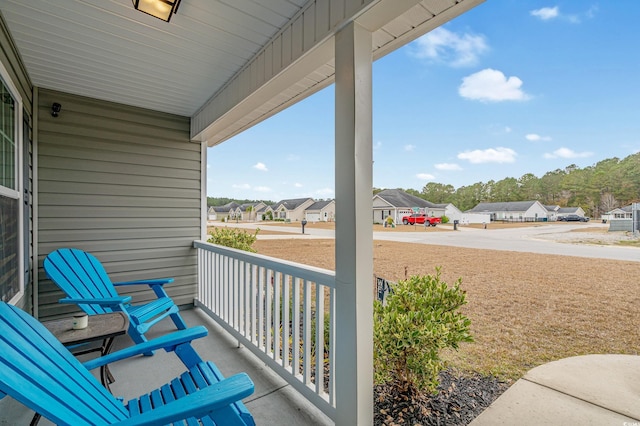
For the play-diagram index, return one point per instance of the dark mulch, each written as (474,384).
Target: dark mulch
(460,399)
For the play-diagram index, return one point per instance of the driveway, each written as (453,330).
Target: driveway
(535,239)
(531,240)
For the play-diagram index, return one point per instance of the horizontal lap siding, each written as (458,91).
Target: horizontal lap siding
(124,184)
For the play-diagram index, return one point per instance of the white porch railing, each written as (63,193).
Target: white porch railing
(282,311)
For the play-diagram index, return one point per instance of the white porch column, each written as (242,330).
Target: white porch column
(354,228)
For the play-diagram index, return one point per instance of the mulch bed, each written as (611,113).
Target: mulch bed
(459,400)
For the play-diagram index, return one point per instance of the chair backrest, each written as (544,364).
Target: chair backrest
(36,370)
(80,275)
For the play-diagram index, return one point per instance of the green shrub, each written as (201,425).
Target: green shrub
(420,317)
(326,333)
(234,238)
(444,219)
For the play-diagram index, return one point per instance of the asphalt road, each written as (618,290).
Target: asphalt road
(515,239)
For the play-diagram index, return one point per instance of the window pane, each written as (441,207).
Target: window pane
(7,138)
(9,268)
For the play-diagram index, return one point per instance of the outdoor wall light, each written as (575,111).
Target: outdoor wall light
(161,9)
(55,109)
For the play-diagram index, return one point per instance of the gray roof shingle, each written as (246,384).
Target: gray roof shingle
(509,206)
(399,198)
(319,205)
(291,204)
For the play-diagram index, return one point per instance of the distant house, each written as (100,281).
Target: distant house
(552,214)
(619,213)
(321,211)
(513,211)
(564,211)
(292,210)
(248,211)
(261,212)
(227,211)
(451,211)
(397,203)
(464,218)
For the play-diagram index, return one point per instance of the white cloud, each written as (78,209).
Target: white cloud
(490,155)
(261,166)
(492,86)
(448,166)
(377,145)
(507,129)
(551,13)
(567,153)
(241,186)
(425,176)
(546,13)
(533,137)
(297,185)
(455,49)
(262,189)
(409,147)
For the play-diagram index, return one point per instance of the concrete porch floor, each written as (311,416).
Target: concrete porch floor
(273,402)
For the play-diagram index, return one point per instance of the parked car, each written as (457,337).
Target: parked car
(573,218)
(421,219)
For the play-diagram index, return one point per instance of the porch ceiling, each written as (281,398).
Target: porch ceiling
(201,63)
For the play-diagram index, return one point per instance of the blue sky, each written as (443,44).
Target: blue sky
(511,87)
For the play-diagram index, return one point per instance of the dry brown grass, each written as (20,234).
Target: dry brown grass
(526,309)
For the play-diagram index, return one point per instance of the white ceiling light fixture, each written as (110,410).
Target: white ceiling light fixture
(161,9)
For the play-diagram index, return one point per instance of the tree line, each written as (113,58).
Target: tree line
(597,189)
(221,201)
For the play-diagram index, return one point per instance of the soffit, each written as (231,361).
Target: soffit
(106,50)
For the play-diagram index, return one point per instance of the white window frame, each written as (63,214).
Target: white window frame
(17,193)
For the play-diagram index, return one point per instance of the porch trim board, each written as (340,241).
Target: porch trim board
(270,304)
(354,228)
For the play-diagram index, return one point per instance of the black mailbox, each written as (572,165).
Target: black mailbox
(304,222)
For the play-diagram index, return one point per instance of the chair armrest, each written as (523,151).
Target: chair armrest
(107,301)
(168,342)
(159,281)
(197,404)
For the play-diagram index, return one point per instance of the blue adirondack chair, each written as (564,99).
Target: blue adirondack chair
(39,372)
(83,278)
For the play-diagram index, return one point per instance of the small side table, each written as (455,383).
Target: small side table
(103,327)
(100,327)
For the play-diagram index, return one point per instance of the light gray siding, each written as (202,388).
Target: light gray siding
(619,225)
(122,183)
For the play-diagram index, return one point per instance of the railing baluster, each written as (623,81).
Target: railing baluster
(306,334)
(319,338)
(286,318)
(296,327)
(254,298)
(332,345)
(269,325)
(224,283)
(270,305)
(261,301)
(245,299)
(277,320)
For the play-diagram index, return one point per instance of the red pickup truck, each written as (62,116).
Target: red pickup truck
(421,219)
